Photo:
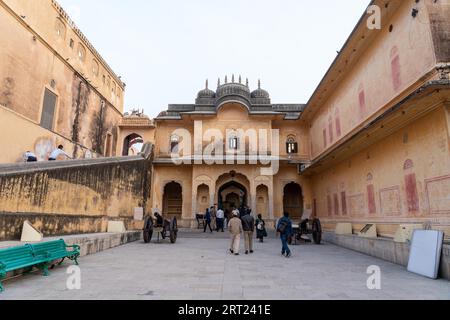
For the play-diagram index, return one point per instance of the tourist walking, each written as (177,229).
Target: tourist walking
(220,217)
(208,220)
(235,228)
(58,152)
(284,228)
(261,231)
(248,225)
(235,212)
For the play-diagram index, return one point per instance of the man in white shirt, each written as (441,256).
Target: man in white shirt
(220,216)
(58,152)
(29,157)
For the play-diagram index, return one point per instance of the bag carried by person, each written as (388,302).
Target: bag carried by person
(260,226)
(282,226)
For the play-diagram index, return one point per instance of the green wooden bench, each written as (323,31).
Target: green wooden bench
(16,258)
(38,255)
(55,250)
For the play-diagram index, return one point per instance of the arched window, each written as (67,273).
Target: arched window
(60,29)
(291,145)
(174,143)
(81,52)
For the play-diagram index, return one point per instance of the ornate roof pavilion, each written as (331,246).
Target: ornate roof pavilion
(258,102)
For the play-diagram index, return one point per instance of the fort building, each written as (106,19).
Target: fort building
(372,144)
(55,88)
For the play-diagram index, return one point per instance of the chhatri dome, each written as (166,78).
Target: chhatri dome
(260,93)
(206,93)
(235,88)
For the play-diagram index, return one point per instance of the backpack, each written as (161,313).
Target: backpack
(282,226)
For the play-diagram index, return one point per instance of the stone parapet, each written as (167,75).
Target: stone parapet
(385,249)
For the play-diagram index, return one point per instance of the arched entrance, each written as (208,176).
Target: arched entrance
(132,144)
(173,200)
(232,190)
(232,195)
(293,200)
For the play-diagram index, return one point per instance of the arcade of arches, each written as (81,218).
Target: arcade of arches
(193,192)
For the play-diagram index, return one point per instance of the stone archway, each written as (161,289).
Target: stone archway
(232,189)
(293,200)
(130,141)
(173,200)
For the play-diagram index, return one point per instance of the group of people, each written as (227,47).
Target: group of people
(242,222)
(54,155)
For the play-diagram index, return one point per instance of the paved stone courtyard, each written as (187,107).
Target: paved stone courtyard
(199,267)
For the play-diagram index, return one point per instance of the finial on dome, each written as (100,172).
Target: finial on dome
(246,82)
(240,79)
(218,82)
(226,79)
(232,79)
(207,84)
(259,84)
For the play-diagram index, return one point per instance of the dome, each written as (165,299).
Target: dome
(233,88)
(206,93)
(260,93)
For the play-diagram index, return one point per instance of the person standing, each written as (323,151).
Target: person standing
(284,228)
(58,152)
(248,225)
(235,228)
(261,231)
(220,215)
(208,220)
(235,212)
(212,210)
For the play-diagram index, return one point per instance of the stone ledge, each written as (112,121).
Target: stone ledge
(385,249)
(89,243)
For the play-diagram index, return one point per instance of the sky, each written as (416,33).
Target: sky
(164,50)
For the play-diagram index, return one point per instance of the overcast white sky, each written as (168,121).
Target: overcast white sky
(166,49)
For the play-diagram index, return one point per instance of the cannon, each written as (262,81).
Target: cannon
(165,229)
(306,228)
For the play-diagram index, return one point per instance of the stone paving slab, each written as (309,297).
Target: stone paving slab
(199,267)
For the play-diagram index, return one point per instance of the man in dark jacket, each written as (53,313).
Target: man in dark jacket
(208,220)
(284,228)
(248,225)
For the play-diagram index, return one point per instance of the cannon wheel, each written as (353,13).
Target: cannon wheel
(173,230)
(148,229)
(317,231)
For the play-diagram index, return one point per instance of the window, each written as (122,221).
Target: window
(108,145)
(71,43)
(291,146)
(48,110)
(81,52)
(95,68)
(60,29)
(174,143)
(233,143)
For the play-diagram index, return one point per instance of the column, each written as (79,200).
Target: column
(194,204)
